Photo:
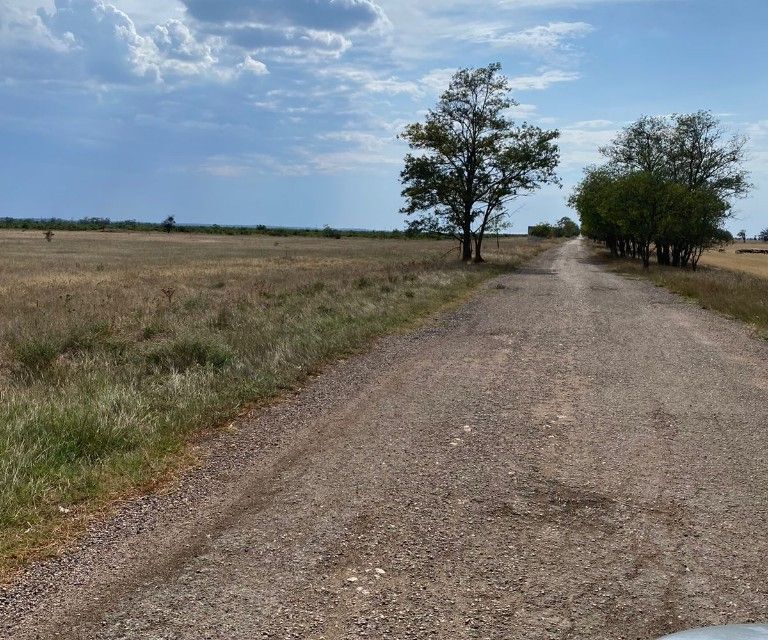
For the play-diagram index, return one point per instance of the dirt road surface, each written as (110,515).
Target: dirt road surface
(575,455)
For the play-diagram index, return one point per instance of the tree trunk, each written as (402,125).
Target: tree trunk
(478,245)
(697,251)
(466,245)
(662,253)
(645,254)
(676,251)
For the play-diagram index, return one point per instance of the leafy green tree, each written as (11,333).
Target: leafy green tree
(169,224)
(593,200)
(693,222)
(541,230)
(470,159)
(567,228)
(742,235)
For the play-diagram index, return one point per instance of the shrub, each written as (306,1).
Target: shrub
(330,232)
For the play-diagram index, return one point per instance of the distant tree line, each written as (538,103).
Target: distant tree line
(564,228)
(169,225)
(666,188)
(763,235)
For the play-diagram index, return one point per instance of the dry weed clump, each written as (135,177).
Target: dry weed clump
(116,347)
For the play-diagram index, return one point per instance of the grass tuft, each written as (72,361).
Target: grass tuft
(183,353)
(36,354)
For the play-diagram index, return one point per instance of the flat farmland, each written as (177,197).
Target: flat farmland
(116,347)
(756,264)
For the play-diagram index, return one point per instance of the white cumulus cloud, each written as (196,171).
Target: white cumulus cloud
(103,39)
(543,80)
(546,37)
(255,67)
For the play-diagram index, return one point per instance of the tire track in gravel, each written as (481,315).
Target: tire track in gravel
(570,454)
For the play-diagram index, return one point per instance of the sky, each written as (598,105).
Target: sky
(286,112)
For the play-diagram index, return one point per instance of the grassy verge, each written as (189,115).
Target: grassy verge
(117,349)
(735,293)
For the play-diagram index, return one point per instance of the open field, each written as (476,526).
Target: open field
(756,264)
(732,290)
(104,375)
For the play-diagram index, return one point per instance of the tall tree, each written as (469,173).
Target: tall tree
(471,159)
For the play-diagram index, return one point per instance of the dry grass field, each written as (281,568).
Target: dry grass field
(116,347)
(756,264)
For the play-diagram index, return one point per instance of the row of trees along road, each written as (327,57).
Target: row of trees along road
(469,160)
(668,182)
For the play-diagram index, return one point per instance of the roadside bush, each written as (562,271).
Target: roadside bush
(667,189)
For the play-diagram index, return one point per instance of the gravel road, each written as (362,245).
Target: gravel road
(571,454)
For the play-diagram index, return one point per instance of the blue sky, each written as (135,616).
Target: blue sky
(286,112)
